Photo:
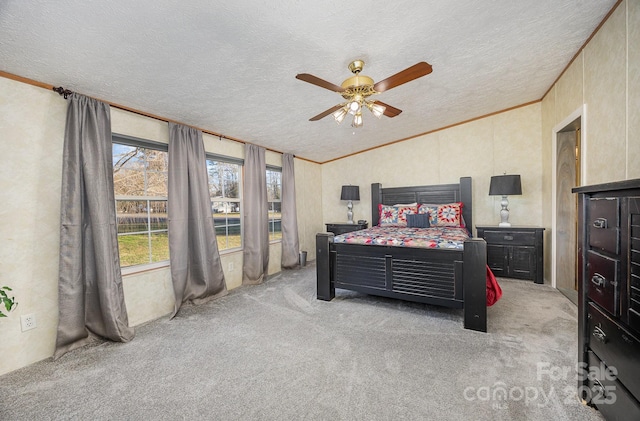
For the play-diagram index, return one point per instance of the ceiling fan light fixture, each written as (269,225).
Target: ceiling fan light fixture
(377,109)
(357,120)
(354,107)
(340,114)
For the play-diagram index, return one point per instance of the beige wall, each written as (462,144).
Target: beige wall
(309,205)
(633,90)
(31,138)
(507,142)
(605,77)
(31,126)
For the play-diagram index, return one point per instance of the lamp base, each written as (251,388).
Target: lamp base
(504,213)
(349,212)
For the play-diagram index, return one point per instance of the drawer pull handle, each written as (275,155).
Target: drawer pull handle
(508,237)
(600,223)
(599,390)
(599,334)
(598,280)
(627,339)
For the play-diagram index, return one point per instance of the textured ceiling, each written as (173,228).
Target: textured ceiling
(229,67)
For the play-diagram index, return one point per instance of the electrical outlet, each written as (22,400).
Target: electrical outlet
(28,322)
(230,266)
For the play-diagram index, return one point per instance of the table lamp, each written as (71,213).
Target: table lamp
(505,185)
(350,193)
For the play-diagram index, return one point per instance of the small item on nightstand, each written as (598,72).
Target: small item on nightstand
(361,221)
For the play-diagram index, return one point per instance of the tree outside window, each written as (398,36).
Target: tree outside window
(140,187)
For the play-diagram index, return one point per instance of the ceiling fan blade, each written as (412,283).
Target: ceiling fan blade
(314,80)
(327,112)
(407,75)
(389,111)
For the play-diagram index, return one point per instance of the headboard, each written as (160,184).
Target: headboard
(436,194)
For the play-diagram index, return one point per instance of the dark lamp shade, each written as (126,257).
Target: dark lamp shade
(350,193)
(505,185)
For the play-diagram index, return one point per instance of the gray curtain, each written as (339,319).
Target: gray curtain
(256,217)
(91,301)
(290,244)
(196,270)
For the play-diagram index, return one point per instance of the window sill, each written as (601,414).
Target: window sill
(230,251)
(137,269)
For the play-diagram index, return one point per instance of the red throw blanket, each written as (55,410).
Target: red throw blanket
(494,292)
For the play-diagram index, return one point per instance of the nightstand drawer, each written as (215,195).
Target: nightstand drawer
(341,228)
(510,238)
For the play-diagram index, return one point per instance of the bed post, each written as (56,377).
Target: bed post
(466,196)
(376,199)
(325,289)
(475,284)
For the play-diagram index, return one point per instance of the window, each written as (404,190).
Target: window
(224,189)
(274,197)
(140,187)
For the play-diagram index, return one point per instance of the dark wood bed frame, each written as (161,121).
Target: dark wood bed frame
(444,277)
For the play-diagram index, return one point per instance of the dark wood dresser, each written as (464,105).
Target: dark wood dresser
(609,298)
(341,227)
(515,252)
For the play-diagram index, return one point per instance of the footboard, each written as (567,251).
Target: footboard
(450,278)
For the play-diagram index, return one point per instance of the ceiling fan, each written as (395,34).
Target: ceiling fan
(357,89)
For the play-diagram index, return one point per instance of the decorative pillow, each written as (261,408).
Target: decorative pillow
(418,220)
(395,215)
(445,215)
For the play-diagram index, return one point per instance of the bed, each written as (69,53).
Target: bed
(450,277)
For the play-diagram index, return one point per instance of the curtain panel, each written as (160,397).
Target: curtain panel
(289,222)
(256,217)
(196,269)
(90,295)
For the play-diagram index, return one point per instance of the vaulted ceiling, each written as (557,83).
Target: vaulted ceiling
(230,67)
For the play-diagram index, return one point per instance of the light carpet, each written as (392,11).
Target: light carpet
(274,352)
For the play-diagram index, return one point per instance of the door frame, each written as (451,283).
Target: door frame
(580,113)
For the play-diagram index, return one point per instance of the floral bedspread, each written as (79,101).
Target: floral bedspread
(434,237)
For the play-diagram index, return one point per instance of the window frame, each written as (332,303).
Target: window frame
(132,141)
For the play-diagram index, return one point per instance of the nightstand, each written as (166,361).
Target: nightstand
(341,227)
(514,252)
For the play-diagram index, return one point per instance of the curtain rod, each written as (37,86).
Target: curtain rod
(63,92)
(66,92)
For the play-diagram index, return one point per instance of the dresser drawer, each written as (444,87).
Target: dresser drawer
(604,224)
(603,281)
(510,238)
(607,393)
(615,346)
